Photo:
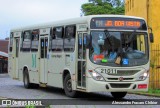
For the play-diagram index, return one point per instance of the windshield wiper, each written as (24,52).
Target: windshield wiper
(108,37)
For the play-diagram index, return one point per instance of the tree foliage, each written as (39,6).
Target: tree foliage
(95,7)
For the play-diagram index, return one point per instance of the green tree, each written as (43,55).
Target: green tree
(115,3)
(95,7)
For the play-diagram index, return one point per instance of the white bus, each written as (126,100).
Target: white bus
(97,53)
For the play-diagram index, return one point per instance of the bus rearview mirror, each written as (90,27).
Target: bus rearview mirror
(151,37)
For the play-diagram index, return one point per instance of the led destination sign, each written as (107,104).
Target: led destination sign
(118,23)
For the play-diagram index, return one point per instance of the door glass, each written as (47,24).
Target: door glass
(81,76)
(84,45)
(46,46)
(80,46)
(42,48)
(84,73)
(17,47)
(79,73)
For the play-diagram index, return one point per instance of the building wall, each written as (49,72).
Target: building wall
(3,60)
(136,8)
(155,19)
(149,9)
(4,46)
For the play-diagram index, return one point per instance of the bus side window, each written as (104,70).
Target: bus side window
(69,39)
(26,44)
(35,42)
(11,42)
(57,39)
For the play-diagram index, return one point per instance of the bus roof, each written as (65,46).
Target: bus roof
(80,20)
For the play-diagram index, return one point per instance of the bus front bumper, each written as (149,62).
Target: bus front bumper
(101,86)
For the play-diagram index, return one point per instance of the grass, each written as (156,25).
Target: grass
(152,92)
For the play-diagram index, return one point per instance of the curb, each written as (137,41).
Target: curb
(145,94)
(4,75)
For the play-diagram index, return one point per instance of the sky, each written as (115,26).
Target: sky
(17,13)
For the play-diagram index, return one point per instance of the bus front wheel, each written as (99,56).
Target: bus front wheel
(118,95)
(68,87)
(26,82)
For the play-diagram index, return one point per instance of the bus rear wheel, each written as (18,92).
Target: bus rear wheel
(68,87)
(26,81)
(118,95)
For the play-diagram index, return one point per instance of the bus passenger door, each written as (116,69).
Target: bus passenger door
(15,57)
(43,59)
(81,65)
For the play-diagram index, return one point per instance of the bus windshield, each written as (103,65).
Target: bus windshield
(119,48)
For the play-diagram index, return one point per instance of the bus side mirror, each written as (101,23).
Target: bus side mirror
(151,37)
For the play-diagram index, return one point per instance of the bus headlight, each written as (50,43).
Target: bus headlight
(96,76)
(143,76)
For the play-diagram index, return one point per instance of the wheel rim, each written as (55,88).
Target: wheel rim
(69,85)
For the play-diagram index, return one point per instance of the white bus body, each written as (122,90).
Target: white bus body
(46,54)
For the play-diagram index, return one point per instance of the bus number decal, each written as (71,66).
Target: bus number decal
(109,71)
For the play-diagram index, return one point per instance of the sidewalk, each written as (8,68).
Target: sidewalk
(4,75)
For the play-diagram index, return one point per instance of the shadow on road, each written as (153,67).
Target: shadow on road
(81,95)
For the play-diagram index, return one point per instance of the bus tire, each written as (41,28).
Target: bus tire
(118,95)
(68,87)
(26,81)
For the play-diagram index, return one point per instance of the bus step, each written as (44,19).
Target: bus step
(81,88)
(43,85)
(16,78)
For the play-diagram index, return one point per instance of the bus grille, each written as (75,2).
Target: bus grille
(117,79)
(120,85)
(126,72)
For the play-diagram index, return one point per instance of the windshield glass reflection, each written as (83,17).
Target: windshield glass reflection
(119,48)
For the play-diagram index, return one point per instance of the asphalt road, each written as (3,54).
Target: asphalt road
(13,89)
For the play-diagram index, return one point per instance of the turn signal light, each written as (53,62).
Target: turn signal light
(90,70)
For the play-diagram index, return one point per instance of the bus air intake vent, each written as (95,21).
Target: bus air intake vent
(120,85)
(126,72)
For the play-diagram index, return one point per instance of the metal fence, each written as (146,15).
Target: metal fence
(155,67)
